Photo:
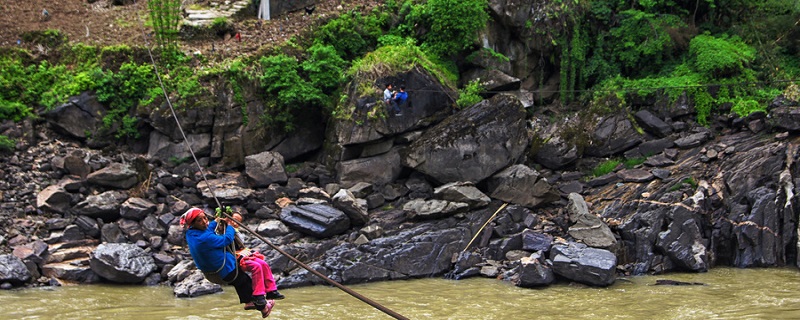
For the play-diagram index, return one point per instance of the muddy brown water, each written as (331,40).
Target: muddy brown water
(728,294)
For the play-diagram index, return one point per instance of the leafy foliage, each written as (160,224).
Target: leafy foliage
(6,143)
(122,91)
(165,15)
(448,31)
(289,92)
(720,57)
(352,34)
(470,94)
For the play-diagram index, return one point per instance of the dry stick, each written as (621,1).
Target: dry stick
(219,205)
(484,226)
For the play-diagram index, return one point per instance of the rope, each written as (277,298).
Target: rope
(219,205)
(484,226)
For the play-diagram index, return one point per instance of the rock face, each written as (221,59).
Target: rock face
(264,169)
(122,262)
(473,144)
(80,116)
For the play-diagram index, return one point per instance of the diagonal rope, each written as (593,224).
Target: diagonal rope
(219,205)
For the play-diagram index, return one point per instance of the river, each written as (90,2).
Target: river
(728,294)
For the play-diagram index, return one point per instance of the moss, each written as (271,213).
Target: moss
(394,59)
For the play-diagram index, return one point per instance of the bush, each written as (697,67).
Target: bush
(324,67)
(720,57)
(454,25)
(287,90)
(6,143)
(470,94)
(352,34)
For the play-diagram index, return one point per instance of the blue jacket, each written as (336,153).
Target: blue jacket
(206,248)
(401,97)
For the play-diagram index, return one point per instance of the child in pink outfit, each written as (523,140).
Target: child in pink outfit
(253,263)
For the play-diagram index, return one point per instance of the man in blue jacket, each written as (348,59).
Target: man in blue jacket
(399,100)
(210,255)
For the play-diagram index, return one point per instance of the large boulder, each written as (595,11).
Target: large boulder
(195,285)
(612,135)
(316,220)
(80,117)
(379,170)
(166,149)
(651,123)
(587,227)
(136,208)
(534,271)
(228,188)
(472,144)
(264,169)
(521,185)
(577,262)
(105,206)
(345,200)
(682,240)
(464,192)
(54,198)
(115,175)
(13,270)
(122,262)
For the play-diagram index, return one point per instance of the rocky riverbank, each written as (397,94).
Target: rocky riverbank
(704,196)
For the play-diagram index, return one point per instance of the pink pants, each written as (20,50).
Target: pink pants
(261,274)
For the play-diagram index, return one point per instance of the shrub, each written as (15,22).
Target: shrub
(470,94)
(454,24)
(720,57)
(324,67)
(288,91)
(352,34)
(6,143)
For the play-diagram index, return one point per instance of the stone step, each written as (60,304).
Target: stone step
(69,254)
(77,270)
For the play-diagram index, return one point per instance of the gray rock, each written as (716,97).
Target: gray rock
(649,148)
(635,175)
(361,189)
(80,116)
(316,220)
(264,169)
(473,144)
(659,161)
(534,272)
(693,140)
(229,188)
(379,170)
(603,180)
(786,118)
(586,226)
(54,198)
(464,192)
(105,206)
(521,185)
(577,262)
(345,200)
(682,241)
(13,270)
(535,241)
(116,175)
(194,286)
(433,209)
(122,263)
(652,124)
(136,208)
(613,135)
(272,228)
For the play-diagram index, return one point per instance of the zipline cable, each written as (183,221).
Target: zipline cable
(219,205)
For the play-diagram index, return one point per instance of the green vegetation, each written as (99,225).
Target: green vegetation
(165,15)
(470,94)
(6,143)
(684,183)
(610,54)
(605,167)
(715,52)
(609,165)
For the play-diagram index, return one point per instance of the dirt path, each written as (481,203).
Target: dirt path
(101,23)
